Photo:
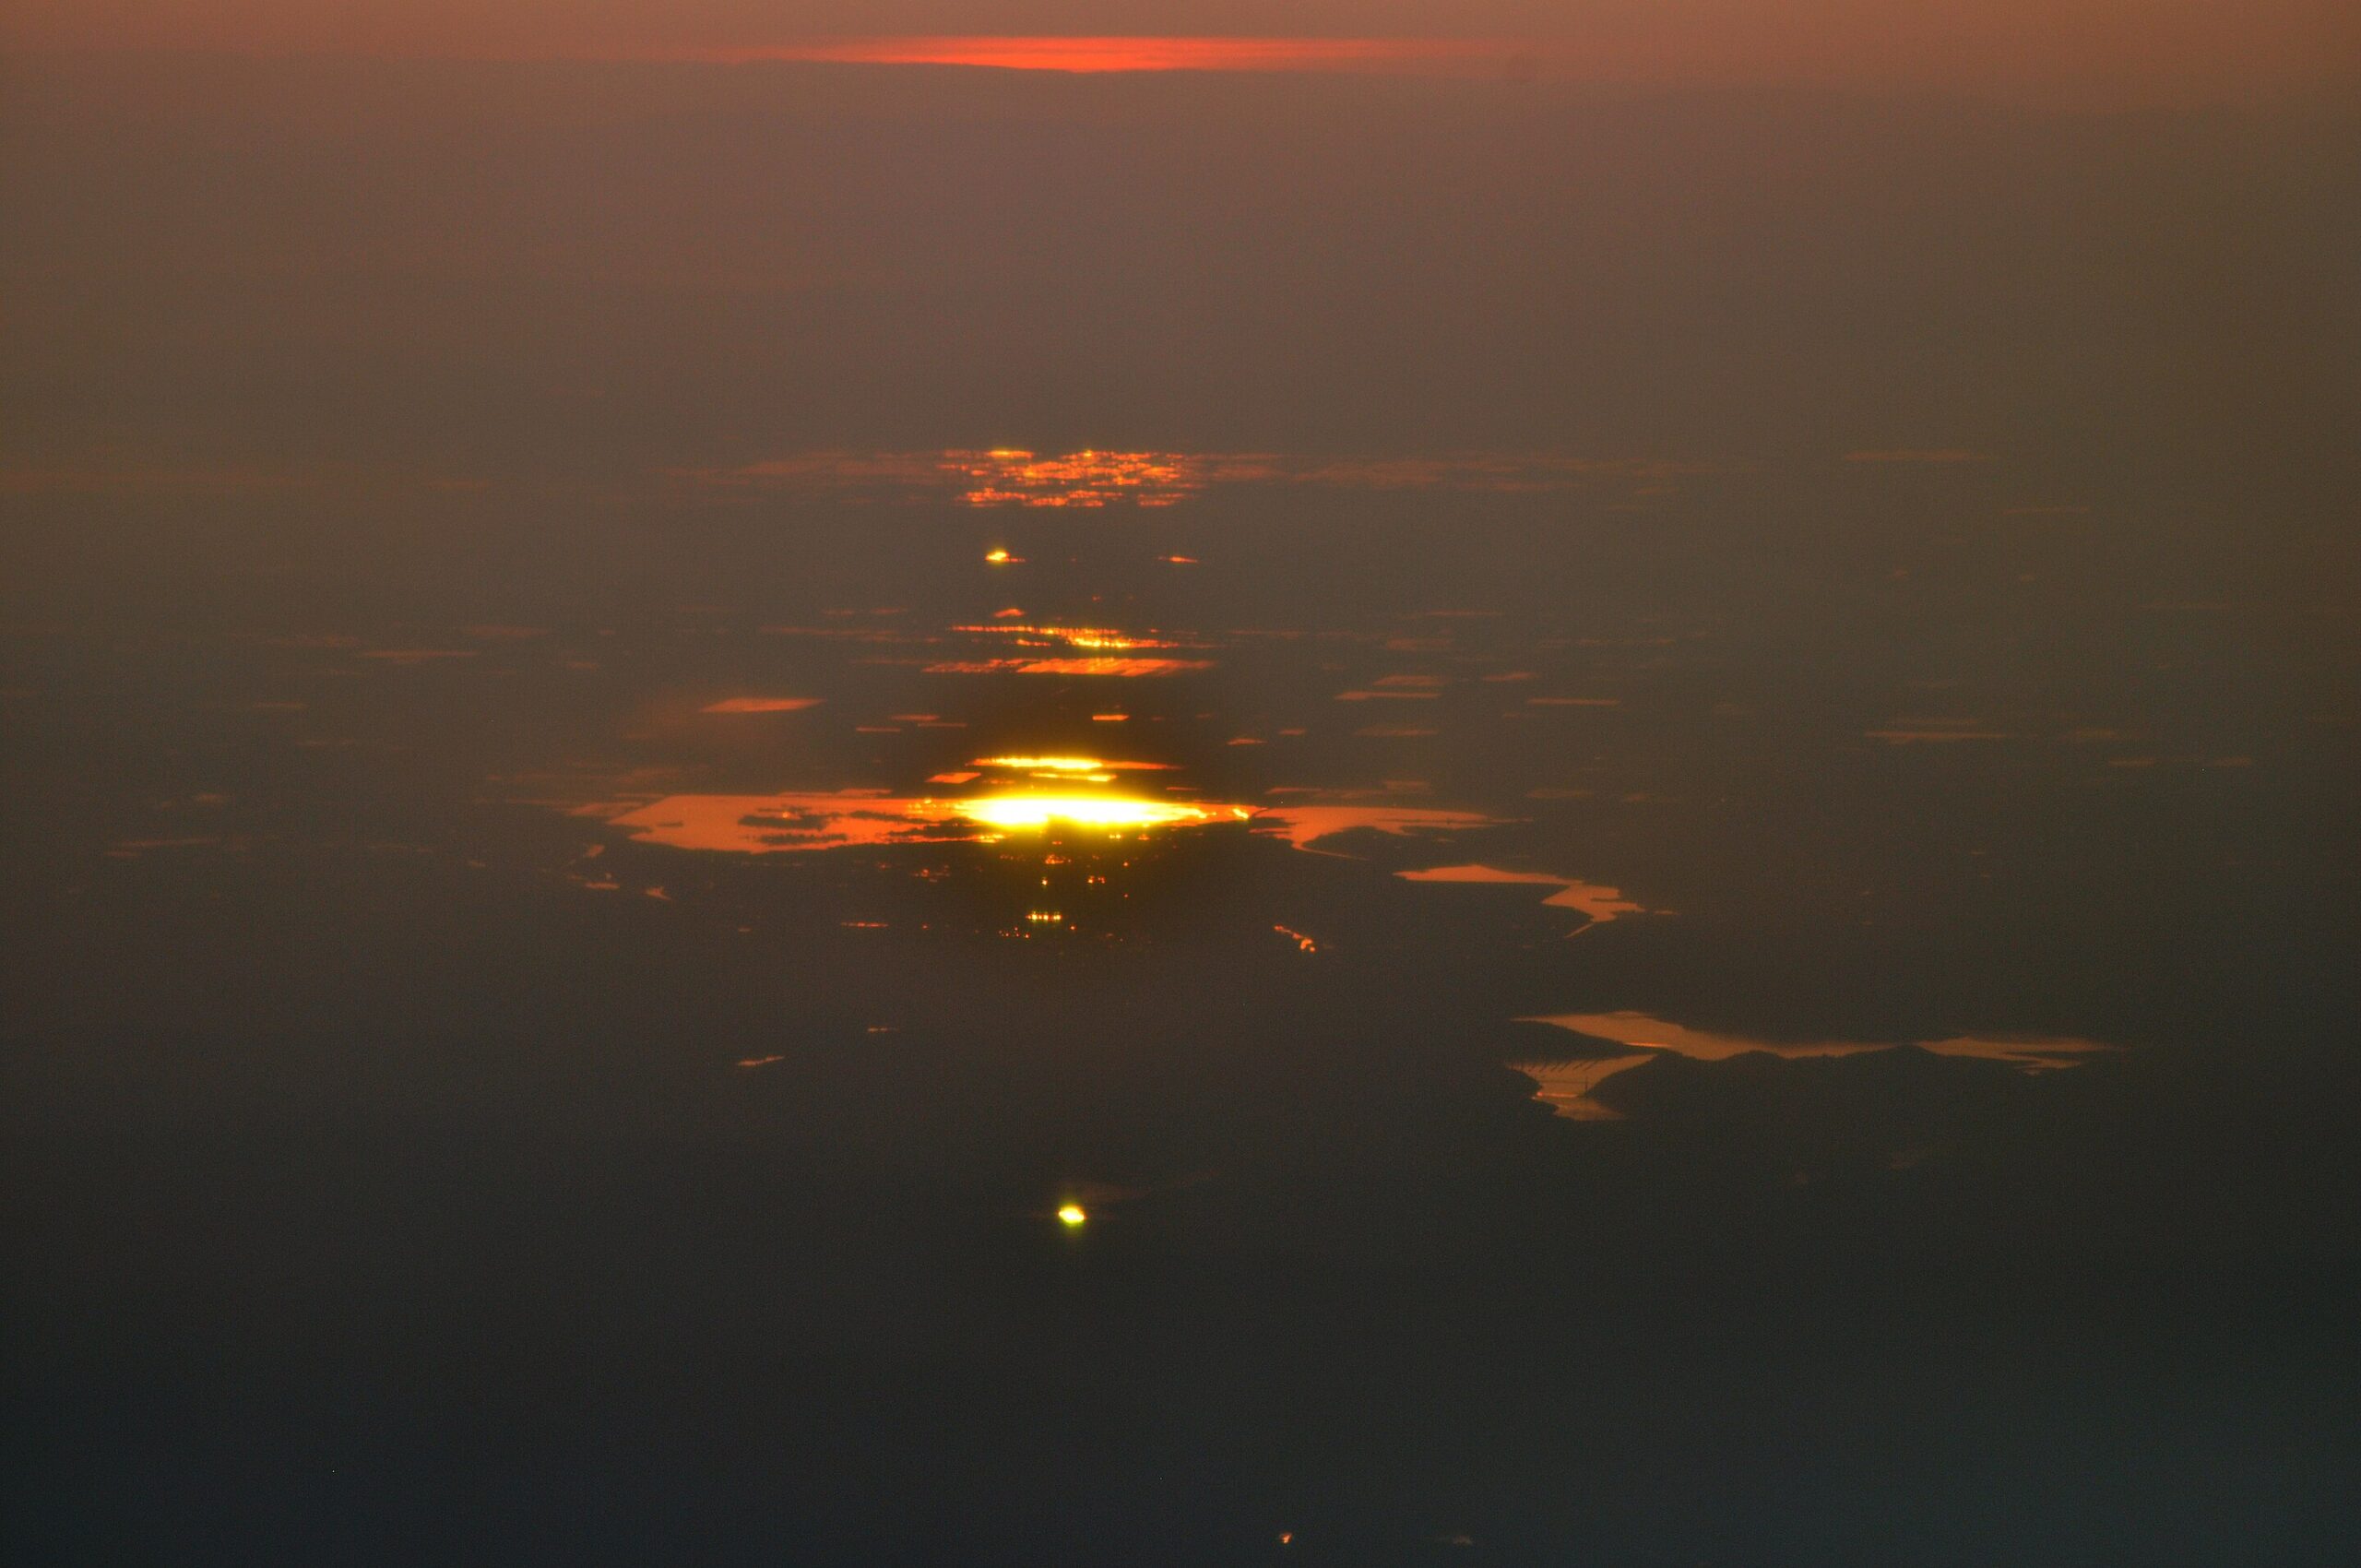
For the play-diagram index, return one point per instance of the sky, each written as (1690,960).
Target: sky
(2168,50)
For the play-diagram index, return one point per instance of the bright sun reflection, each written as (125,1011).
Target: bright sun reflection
(1113,812)
(1060,764)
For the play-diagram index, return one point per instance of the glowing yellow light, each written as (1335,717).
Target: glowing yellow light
(1072,1214)
(1042,764)
(999,557)
(1061,764)
(1110,812)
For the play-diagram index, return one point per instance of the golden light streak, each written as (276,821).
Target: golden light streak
(1070,1215)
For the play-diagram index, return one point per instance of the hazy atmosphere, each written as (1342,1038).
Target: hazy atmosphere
(946,782)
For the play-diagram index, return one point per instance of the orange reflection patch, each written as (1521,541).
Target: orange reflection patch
(764,825)
(1568,1086)
(1564,1087)
(1078,479)
(1092,478)
(769,825)
(1601,904)
(1302,941)
(1304,826)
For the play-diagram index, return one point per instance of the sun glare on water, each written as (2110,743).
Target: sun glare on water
(1112,813)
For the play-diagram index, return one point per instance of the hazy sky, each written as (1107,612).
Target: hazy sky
(2176,48)
(546,1017)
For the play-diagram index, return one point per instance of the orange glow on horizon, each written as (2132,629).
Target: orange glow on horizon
(2109,51)
(1101,55)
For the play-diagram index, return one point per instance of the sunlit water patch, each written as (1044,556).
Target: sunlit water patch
(1569,1086)
(764,825)
(1600,903)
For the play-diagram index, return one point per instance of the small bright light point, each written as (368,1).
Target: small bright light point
(1071,1215)
(999,557)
